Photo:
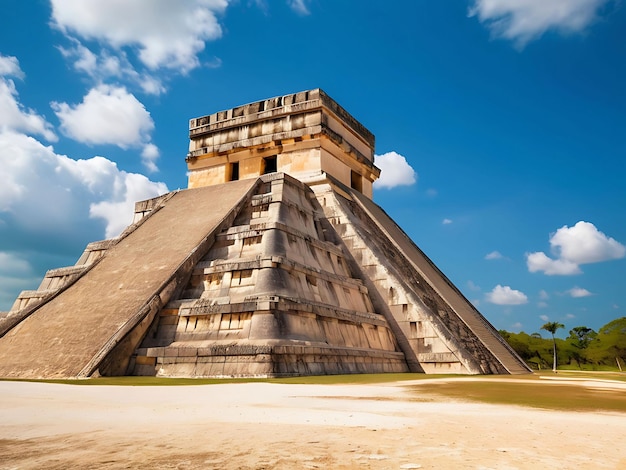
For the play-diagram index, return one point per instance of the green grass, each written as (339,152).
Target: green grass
(588,367)
(536,393)
(315,379)
(585,374)
(356,378)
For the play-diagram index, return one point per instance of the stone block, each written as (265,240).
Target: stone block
(155,352)
(145,361)
(144,370)
(187,352)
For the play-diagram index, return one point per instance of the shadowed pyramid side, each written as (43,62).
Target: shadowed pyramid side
(445,331)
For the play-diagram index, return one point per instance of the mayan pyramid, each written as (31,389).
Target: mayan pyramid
(274,262)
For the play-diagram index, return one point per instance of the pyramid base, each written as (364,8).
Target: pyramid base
(266,361)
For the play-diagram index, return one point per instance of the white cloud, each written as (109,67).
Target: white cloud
(493,255)
(395,171)
(299,6)
(542,304)
(165,33)
(105,66)
(581,244)
(131,187)
(149,154)
(584,243)
(446,221)
(579,292)
(13,116)
(51,196)
(10,67)
(540,262)
(525,20)
(84,60)
(544,317)
(109,115)
(504,295)
(543,295)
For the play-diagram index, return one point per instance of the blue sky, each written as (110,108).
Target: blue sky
(500,128)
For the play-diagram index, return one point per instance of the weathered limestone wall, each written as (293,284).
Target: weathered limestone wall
(290,129)
(272,297)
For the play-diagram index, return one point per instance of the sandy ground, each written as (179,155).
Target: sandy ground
(267,426)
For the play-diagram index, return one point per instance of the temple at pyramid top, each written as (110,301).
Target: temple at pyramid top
(306,134)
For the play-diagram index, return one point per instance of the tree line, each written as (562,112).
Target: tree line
(584,348)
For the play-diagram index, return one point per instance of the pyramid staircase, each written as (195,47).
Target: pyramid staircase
(274,296)
(90,323)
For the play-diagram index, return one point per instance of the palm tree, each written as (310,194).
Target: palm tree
(552,326)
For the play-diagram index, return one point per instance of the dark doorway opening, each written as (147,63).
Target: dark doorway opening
(234,171)
(356,181)
(270,165)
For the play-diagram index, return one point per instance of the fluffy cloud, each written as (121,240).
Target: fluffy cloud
(149,154)
(525,20)
(105,65)
(131,187)
(110,115)
(579,292)
(504,295)
(540,262)
(10,66)
(107,115)
(581,244)
(166,34)
(395,171)
(50,195)
(584,243)
(446,221)
(493,255)
(12,114)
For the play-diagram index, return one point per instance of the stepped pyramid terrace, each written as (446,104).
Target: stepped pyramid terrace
(274,262)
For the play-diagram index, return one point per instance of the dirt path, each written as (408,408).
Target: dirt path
(267,426)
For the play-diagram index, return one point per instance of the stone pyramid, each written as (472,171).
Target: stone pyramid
(275,262)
